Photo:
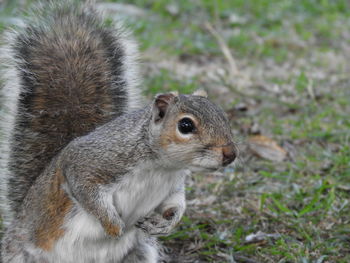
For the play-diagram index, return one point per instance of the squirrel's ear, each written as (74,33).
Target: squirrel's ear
(201,93)
(161,105)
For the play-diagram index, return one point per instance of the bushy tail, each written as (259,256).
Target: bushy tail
(65,73)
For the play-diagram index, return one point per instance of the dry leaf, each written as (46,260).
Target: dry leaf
(266,148)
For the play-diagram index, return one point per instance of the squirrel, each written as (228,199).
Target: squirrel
(88,174)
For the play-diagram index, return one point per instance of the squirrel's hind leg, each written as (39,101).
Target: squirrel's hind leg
(145,250)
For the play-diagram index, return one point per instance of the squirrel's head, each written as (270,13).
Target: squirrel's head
(191,132)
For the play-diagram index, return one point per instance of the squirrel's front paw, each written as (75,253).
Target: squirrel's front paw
(115,229)
(160,224)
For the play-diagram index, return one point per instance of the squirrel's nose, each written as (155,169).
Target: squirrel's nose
(228,154)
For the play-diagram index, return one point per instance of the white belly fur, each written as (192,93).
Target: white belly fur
(141,192)
(135,196)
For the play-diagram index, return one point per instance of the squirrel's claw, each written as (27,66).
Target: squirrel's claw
(159,225)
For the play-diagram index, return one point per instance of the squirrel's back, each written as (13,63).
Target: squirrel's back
(65,73)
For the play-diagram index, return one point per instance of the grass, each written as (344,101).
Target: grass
(292,58)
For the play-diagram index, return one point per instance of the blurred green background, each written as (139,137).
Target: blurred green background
(280,68)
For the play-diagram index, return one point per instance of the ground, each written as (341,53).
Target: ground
(280,68)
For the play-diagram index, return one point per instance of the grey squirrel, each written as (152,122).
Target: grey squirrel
(88,175)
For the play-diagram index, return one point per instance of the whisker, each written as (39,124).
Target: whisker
(219,146)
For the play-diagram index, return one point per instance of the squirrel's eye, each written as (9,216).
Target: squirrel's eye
(186,125)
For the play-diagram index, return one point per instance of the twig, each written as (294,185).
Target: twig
(225,49)
(310,89)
